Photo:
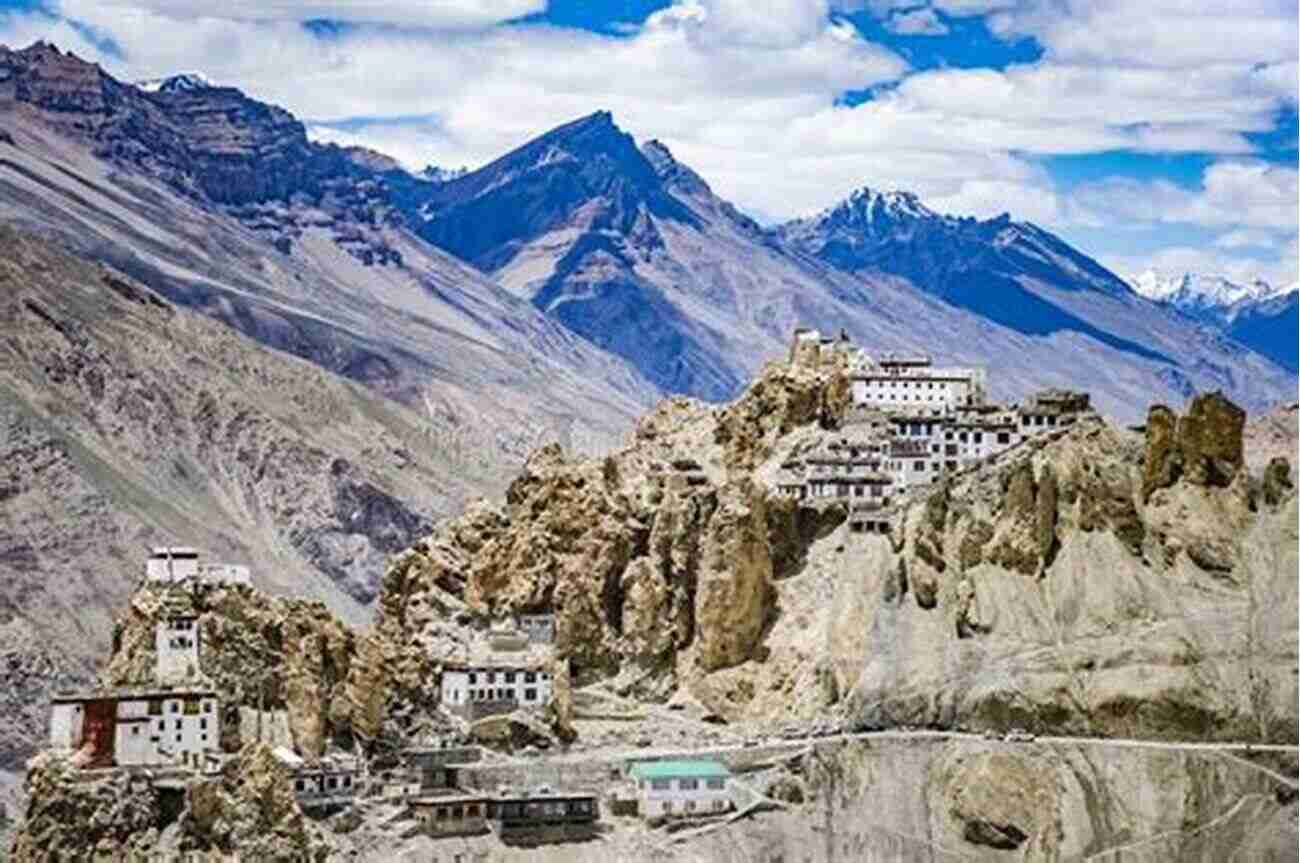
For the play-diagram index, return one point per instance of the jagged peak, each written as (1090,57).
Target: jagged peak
(894,202)
(182,82)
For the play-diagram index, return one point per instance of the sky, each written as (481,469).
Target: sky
(1157,134)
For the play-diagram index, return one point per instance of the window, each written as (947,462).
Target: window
(1004,437)
(176,707)
(207,707)
(473,678)
(530,694)
(688,784)
(203,723)
(690,805)
(962,437)
(162,724)
(333,782)
(178,738)
(135,729)
(918,465)
(178,725)
(471,811)
(715,783)
(660,784)
(492,677)
(979,437)
(155,707)
(510,677)
(299,785)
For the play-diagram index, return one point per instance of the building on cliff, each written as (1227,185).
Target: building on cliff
(175,564)
(176,642)
(909,424)
(475,691)
(681,788)
(136,728)
(326,782)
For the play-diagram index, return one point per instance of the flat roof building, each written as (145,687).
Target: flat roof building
(681,788)
(136,728)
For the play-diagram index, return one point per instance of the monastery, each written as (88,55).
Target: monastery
(911,423)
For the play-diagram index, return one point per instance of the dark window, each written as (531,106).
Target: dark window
(1004,437)
(178,725)
(299,785)
(176,707)
(203,723)
(962,437)
(492,677)
(530,694)
(510,677)
(979,437)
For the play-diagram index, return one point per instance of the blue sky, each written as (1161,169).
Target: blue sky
(1160,134)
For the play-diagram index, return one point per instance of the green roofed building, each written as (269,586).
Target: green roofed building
(681,788)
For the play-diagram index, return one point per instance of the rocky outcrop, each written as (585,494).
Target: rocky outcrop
(1205,445)
(1140,551)
(247,812)
(659,561)
(261,652)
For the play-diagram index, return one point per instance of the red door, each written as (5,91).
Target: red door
(99,732)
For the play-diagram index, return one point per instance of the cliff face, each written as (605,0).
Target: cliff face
(660,561)
(246,812)
(1091,581)
(1093,584)
(260,652)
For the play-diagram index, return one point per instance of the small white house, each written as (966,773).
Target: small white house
(681,788)
(137,728)
(473,691)
(175,564)
(176,641)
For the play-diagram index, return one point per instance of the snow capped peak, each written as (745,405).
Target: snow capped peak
(894,203)
(176,83)
(1199,290)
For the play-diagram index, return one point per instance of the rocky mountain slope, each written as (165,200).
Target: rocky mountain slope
(1095,582)
(220,203)
(1264,318)
(632,249)
(129,422)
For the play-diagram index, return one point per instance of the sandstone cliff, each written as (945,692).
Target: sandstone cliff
(260,652)
(660,561)
(1091,581)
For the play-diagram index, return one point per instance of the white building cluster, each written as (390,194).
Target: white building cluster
(910,423)
(175,564)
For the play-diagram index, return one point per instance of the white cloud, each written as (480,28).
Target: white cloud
(921,21)
(1234,193)
(1176,34)
(413,13)
(1243,238)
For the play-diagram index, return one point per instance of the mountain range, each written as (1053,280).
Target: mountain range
(1263,317)
(570,281)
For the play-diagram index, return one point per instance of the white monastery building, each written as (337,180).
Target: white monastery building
(169,565)
(176,641)
(473,691)
(136,728)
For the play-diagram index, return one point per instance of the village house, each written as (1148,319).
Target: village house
(177,564)
(137,728)
(451,814)
(506,813)
(681,788)
(328,781)
(475,691)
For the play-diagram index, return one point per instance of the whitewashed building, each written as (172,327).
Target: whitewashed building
(129,728)
(681,788)
(176,641)
(473,691)
(176,564)
(914,382)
